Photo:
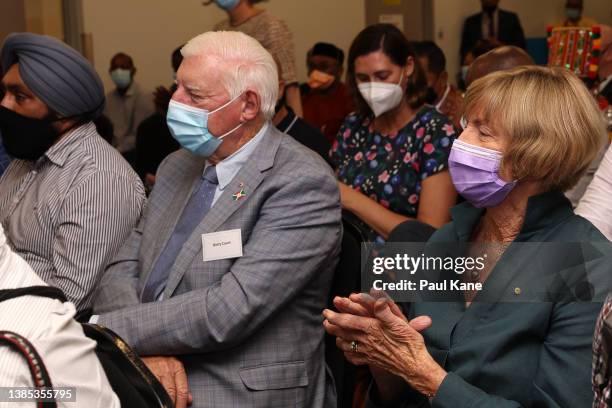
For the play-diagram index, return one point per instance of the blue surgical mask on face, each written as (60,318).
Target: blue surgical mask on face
(189,126)
(121,77)
(227,4)
(464,72)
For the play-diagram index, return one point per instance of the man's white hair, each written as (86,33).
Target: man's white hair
(245,64)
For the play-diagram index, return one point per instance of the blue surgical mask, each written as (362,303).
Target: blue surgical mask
(189,126)
(227,4)
(121,77)
(464,72)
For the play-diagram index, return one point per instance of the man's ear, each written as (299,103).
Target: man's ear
(133,71)
(251,106)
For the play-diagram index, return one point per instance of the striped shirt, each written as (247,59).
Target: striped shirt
(68,213)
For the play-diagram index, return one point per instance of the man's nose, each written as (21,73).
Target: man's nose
(180,96)
(8,101)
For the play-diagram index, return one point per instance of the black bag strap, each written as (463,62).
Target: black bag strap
(44,291)
(40,375)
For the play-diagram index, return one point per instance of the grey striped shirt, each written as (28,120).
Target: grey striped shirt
(68,213)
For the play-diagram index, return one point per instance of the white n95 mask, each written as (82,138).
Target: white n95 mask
(382,96)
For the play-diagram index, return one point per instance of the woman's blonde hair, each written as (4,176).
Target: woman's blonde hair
(554,126)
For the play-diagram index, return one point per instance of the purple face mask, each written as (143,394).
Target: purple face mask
(475,174)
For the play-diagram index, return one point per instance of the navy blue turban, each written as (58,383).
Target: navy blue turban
(56,73)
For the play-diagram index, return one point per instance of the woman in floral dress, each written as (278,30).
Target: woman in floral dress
(391,155)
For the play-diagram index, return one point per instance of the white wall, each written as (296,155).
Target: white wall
(448,23)
(45,17)
(36,16)
(145,29)
(149,30)
(12,18)
(535,15)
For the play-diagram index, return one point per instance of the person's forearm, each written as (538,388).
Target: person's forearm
(379,218)
(294,100)
(596,203)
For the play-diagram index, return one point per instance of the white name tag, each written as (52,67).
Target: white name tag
(222,245)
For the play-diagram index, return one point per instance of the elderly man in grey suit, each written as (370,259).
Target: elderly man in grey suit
(231,265)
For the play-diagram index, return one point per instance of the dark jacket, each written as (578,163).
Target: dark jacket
(304,133)
(509,31)
(513,353)
(154,143)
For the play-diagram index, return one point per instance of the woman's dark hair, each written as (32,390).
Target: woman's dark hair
(392,42)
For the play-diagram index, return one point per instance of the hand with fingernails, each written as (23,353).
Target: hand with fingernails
(373,330)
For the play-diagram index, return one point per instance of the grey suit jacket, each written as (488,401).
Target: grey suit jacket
(248,330)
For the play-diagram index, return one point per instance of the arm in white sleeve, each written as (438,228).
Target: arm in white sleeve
(596,204)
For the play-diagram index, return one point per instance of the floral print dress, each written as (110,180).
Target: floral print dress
(390,168)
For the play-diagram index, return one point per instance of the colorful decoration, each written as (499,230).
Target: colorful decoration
(577,49)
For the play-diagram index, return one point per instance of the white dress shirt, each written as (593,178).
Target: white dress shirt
(231,165)
(48,324)
(596,204)
(485,24)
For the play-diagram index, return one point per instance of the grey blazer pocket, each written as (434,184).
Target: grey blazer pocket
(275,376)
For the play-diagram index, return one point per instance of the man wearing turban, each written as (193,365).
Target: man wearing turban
(68,200)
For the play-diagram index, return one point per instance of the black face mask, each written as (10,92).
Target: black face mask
(431,96)
(26,138)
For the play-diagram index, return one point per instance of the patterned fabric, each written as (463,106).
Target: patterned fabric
(196,208)
(68,213)
(602,384)
(248,330)
(390,168)
(275,36)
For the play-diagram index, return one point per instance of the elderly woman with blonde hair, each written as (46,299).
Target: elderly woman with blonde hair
(531,132)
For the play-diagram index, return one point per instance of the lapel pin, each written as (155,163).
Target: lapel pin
(240,194)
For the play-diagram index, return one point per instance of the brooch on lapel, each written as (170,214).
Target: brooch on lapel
(240,194)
